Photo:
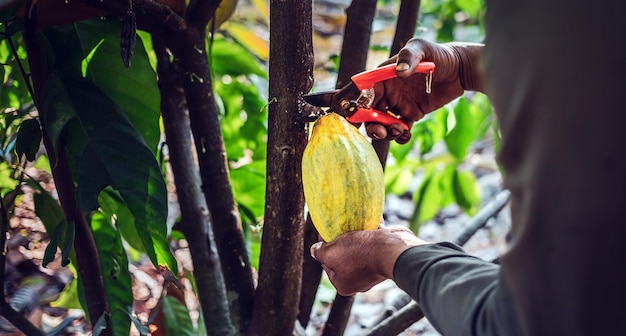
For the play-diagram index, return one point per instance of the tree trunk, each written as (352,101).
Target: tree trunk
(280,265)
(214,174)
(196,222)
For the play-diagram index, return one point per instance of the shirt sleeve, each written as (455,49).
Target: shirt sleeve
(458,293)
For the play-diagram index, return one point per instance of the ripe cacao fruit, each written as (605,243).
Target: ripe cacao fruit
(342,178)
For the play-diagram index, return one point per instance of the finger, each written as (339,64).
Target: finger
(376,131)
(394,131)
(314,250)
(408,58)
(404,138)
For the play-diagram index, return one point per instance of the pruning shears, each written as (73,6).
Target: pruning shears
(354,101)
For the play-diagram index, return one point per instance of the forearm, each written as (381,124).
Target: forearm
(470,72)
(459,294)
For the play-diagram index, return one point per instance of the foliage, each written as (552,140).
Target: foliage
(105,118)
(433,167)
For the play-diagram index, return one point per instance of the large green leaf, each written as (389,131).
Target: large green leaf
(91,48)
(114,155)
(115,274)
(134,89)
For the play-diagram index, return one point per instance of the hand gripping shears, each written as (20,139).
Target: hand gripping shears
(354,101)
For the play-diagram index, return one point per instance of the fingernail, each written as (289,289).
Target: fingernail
(402,67)
(376,136)
(314,248)
(395,132)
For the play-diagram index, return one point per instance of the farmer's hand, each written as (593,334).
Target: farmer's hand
(456,70)
(358,260)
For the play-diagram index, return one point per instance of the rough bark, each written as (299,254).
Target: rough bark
(280,266)
(214,174)
(196,221)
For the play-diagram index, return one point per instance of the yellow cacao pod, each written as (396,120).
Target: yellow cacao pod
(342,178)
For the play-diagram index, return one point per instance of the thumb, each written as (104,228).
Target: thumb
(315,250)
(408,59)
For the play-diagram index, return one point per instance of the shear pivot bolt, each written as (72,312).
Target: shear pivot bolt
(345,104)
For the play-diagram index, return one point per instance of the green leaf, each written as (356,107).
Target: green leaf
(95,44)
(398,176)
(112,203)
(230,58)
(427,200)
(176,315)
(68,298)
(463,126)
(7,182)
(466,191)
(68,244)
(114,155)
(471,7)
(28,139)
(248,183)
(115,273)
(133,89)
(47,209)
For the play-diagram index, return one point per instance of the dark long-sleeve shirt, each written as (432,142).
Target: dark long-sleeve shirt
(459,294)
(555,72)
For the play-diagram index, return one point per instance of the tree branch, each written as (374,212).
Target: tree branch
(280,266)
(196,221)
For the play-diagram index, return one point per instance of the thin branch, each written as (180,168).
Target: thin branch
(196,221)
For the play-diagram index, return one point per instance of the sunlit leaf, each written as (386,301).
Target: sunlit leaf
(7,182)
(115,273)
(134,89)
(249,39)
(471,7)
(224,11)
(263,8)
(68,298)
(399,176)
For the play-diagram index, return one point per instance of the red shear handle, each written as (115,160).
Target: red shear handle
(370,115)
(367,79)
